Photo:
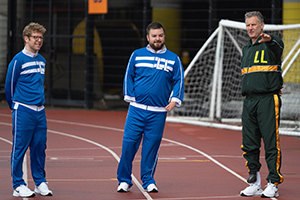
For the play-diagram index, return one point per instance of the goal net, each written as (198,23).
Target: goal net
(213,79)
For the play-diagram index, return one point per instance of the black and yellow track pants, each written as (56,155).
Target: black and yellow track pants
(260,119)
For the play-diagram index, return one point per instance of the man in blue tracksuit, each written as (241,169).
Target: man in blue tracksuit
(152,74)
(24,89)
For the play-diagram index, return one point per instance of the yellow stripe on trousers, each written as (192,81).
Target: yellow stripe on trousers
(276,100)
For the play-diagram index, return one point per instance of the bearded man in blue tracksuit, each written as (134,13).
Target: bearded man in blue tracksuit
(154,85)
(24,90)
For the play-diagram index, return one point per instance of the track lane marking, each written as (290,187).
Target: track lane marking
(165,139)
(148,197)
(25,171)
(175,142)
(80,180)
(191,198)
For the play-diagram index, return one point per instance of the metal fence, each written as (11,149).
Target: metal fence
(87,54)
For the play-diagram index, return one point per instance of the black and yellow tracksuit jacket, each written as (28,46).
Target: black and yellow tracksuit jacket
(261,67)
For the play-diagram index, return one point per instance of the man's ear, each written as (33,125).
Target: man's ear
(262,26)
(26,39)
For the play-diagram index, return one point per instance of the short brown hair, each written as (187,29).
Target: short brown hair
(33,27)
(154,25)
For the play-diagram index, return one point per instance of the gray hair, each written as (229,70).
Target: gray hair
(259,16)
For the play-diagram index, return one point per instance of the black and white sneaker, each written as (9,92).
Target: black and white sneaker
(23,191)
(151,188)
(252,190)
(43,190)
(123,187)
(270,191)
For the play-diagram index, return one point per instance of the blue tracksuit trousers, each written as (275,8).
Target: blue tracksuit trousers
(29,131)
(140,124)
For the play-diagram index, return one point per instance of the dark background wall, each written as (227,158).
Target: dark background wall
(115,35)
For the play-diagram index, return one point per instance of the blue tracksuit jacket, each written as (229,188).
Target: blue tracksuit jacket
(150,78)
(25,79)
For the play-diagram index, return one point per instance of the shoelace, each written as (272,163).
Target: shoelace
(22,187)
(271,185)
(253,184)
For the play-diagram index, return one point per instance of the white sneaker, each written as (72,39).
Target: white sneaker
(252,190)
(23,191)
(270,191)
(43,189)
(151,188)
(123,187)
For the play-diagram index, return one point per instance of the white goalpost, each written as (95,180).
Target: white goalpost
(213,79)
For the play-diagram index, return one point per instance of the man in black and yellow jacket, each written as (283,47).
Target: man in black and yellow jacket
(261,84)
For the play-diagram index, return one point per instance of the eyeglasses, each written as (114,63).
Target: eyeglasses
(37,37)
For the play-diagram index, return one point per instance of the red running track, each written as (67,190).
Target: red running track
(194,162)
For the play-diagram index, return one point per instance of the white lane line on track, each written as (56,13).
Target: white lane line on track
(25,171)
(209,157)
(174,142)
(165,139)
(89,141)
(86,125)
(110,151)
(191,198)
(5,140)
(5,115)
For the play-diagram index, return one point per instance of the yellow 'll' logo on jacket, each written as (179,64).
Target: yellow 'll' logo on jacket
(262,55)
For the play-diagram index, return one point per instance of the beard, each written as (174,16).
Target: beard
(157,45)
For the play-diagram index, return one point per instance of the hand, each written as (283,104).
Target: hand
(170,106)
(264,38)
(280,91)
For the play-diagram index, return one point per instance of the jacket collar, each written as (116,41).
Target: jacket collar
(30,54)
(256,42)
(163,50)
